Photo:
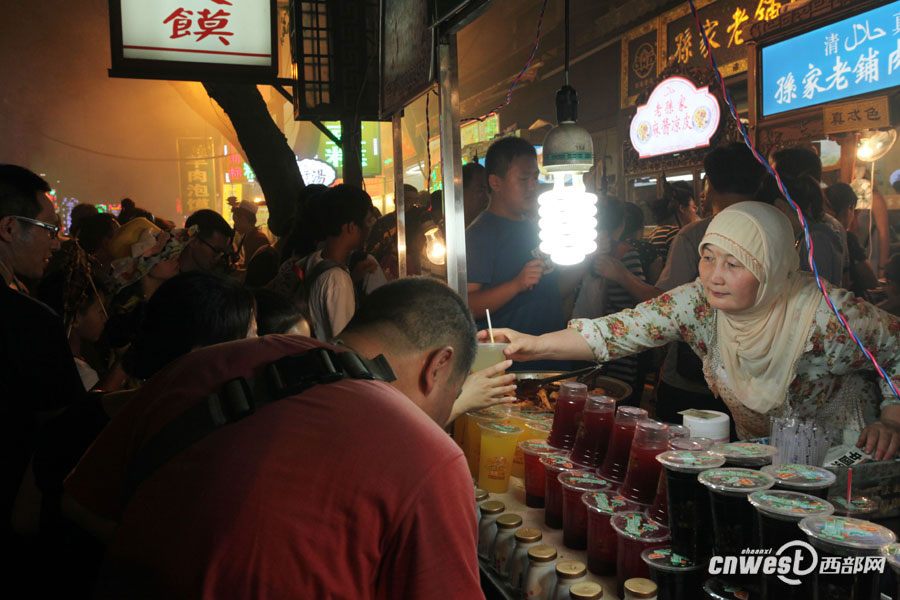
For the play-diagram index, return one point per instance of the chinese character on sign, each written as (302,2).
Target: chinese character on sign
(861,34)
(847,565)
(854,115)
(207,22)
(181,23)
(740,16)
(811,82)
(867,67)
(767,10)
(894,59)
(831,44)
(837,78)
(683,51)
(896,23)
(334,156)
(235,173)
(787,89)
(199,176)
(196,190)
(248,173)
(837,118)
(874,564)
(710,29)
(872,114)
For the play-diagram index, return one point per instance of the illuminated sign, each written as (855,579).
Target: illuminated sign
(316,172)
(193,39)
(854,56)
(331,153)
(236,170)
(677,117)
(197,174)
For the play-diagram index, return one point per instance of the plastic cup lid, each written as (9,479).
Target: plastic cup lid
(666,560)
(801,477)
(687,461)
(542,426)
(686,444)
(605,502)
(723,590)
(738,482)
(488,413)
(791,506)
(858,505)
(582,481)
(558,462)
(736,451)
(892,554)
(847,532)
(537,416)
(500,428)
(536,447)
(638,526)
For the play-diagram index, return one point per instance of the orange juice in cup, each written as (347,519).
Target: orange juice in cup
(498,446)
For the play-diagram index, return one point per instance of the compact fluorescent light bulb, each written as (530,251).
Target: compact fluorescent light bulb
(567,220)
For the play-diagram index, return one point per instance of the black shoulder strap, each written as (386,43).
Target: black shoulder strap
(323,265)
(240,398)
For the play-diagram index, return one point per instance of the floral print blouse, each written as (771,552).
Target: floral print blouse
(834,381)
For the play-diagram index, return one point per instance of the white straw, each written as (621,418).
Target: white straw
(490,329)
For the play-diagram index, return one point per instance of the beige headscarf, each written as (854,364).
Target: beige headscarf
(760,345)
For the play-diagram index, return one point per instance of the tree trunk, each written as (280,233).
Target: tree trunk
(266,149)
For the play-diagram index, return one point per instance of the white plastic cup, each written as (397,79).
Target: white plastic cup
(714,425)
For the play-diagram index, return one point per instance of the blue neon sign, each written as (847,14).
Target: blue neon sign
(851,57)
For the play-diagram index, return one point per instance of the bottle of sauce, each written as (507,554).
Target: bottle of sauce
(568,572)
(526,539)
(505,541)
(541,575)
(487,526)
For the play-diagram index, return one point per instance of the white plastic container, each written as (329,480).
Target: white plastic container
(505,541)
(568,573)
(526,539)
(487,525)
(709,424)
(541,576)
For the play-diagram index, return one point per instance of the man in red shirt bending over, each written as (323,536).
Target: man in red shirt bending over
(349,489)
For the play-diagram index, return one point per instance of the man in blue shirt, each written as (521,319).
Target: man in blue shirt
(506,275)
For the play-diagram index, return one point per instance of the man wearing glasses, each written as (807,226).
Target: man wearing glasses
(37,372)
(208,249)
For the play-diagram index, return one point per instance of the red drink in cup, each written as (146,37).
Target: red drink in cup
(554,464)
(601,538)
(615,463)
(642,478)
(636,533)
(574,484)
(596,427)
(535,475)
(567,415)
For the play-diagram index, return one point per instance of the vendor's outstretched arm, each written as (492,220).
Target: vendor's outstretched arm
(566,344)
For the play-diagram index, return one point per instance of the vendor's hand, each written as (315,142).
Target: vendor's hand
(522,347)
(606,266)
(530,275)
(880,439)
(363,268)
(486,388)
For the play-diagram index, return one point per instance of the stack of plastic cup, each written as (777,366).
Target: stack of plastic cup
(659,510)
(523,416)
(642,476)
(574,484)
(472,441)
(567,415)
(839,538)
(615,463)
(594,432)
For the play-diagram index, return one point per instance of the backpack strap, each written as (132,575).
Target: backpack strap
(239,398)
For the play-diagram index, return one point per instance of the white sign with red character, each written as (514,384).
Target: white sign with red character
(677,117)
(232,32)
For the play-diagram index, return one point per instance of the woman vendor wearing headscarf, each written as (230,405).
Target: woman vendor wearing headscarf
(770,345)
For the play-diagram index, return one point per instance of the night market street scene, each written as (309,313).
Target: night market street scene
(450,299)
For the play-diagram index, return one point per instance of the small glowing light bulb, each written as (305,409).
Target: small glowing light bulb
(435,250)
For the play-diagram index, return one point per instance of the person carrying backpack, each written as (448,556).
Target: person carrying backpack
(322,279)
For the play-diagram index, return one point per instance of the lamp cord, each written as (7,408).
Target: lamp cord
(567,42)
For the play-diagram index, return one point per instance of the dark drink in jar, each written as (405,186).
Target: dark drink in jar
(593,434)
(859,507)
(659,510)
(837,539)
(688,502)
(805,479)
(676,577)
(641,479)
(574,484)
(892,557)
(602,541)
(567,414)
(778,513)
(615,463)
(745,455)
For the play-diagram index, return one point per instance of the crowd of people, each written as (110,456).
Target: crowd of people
(205,411)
